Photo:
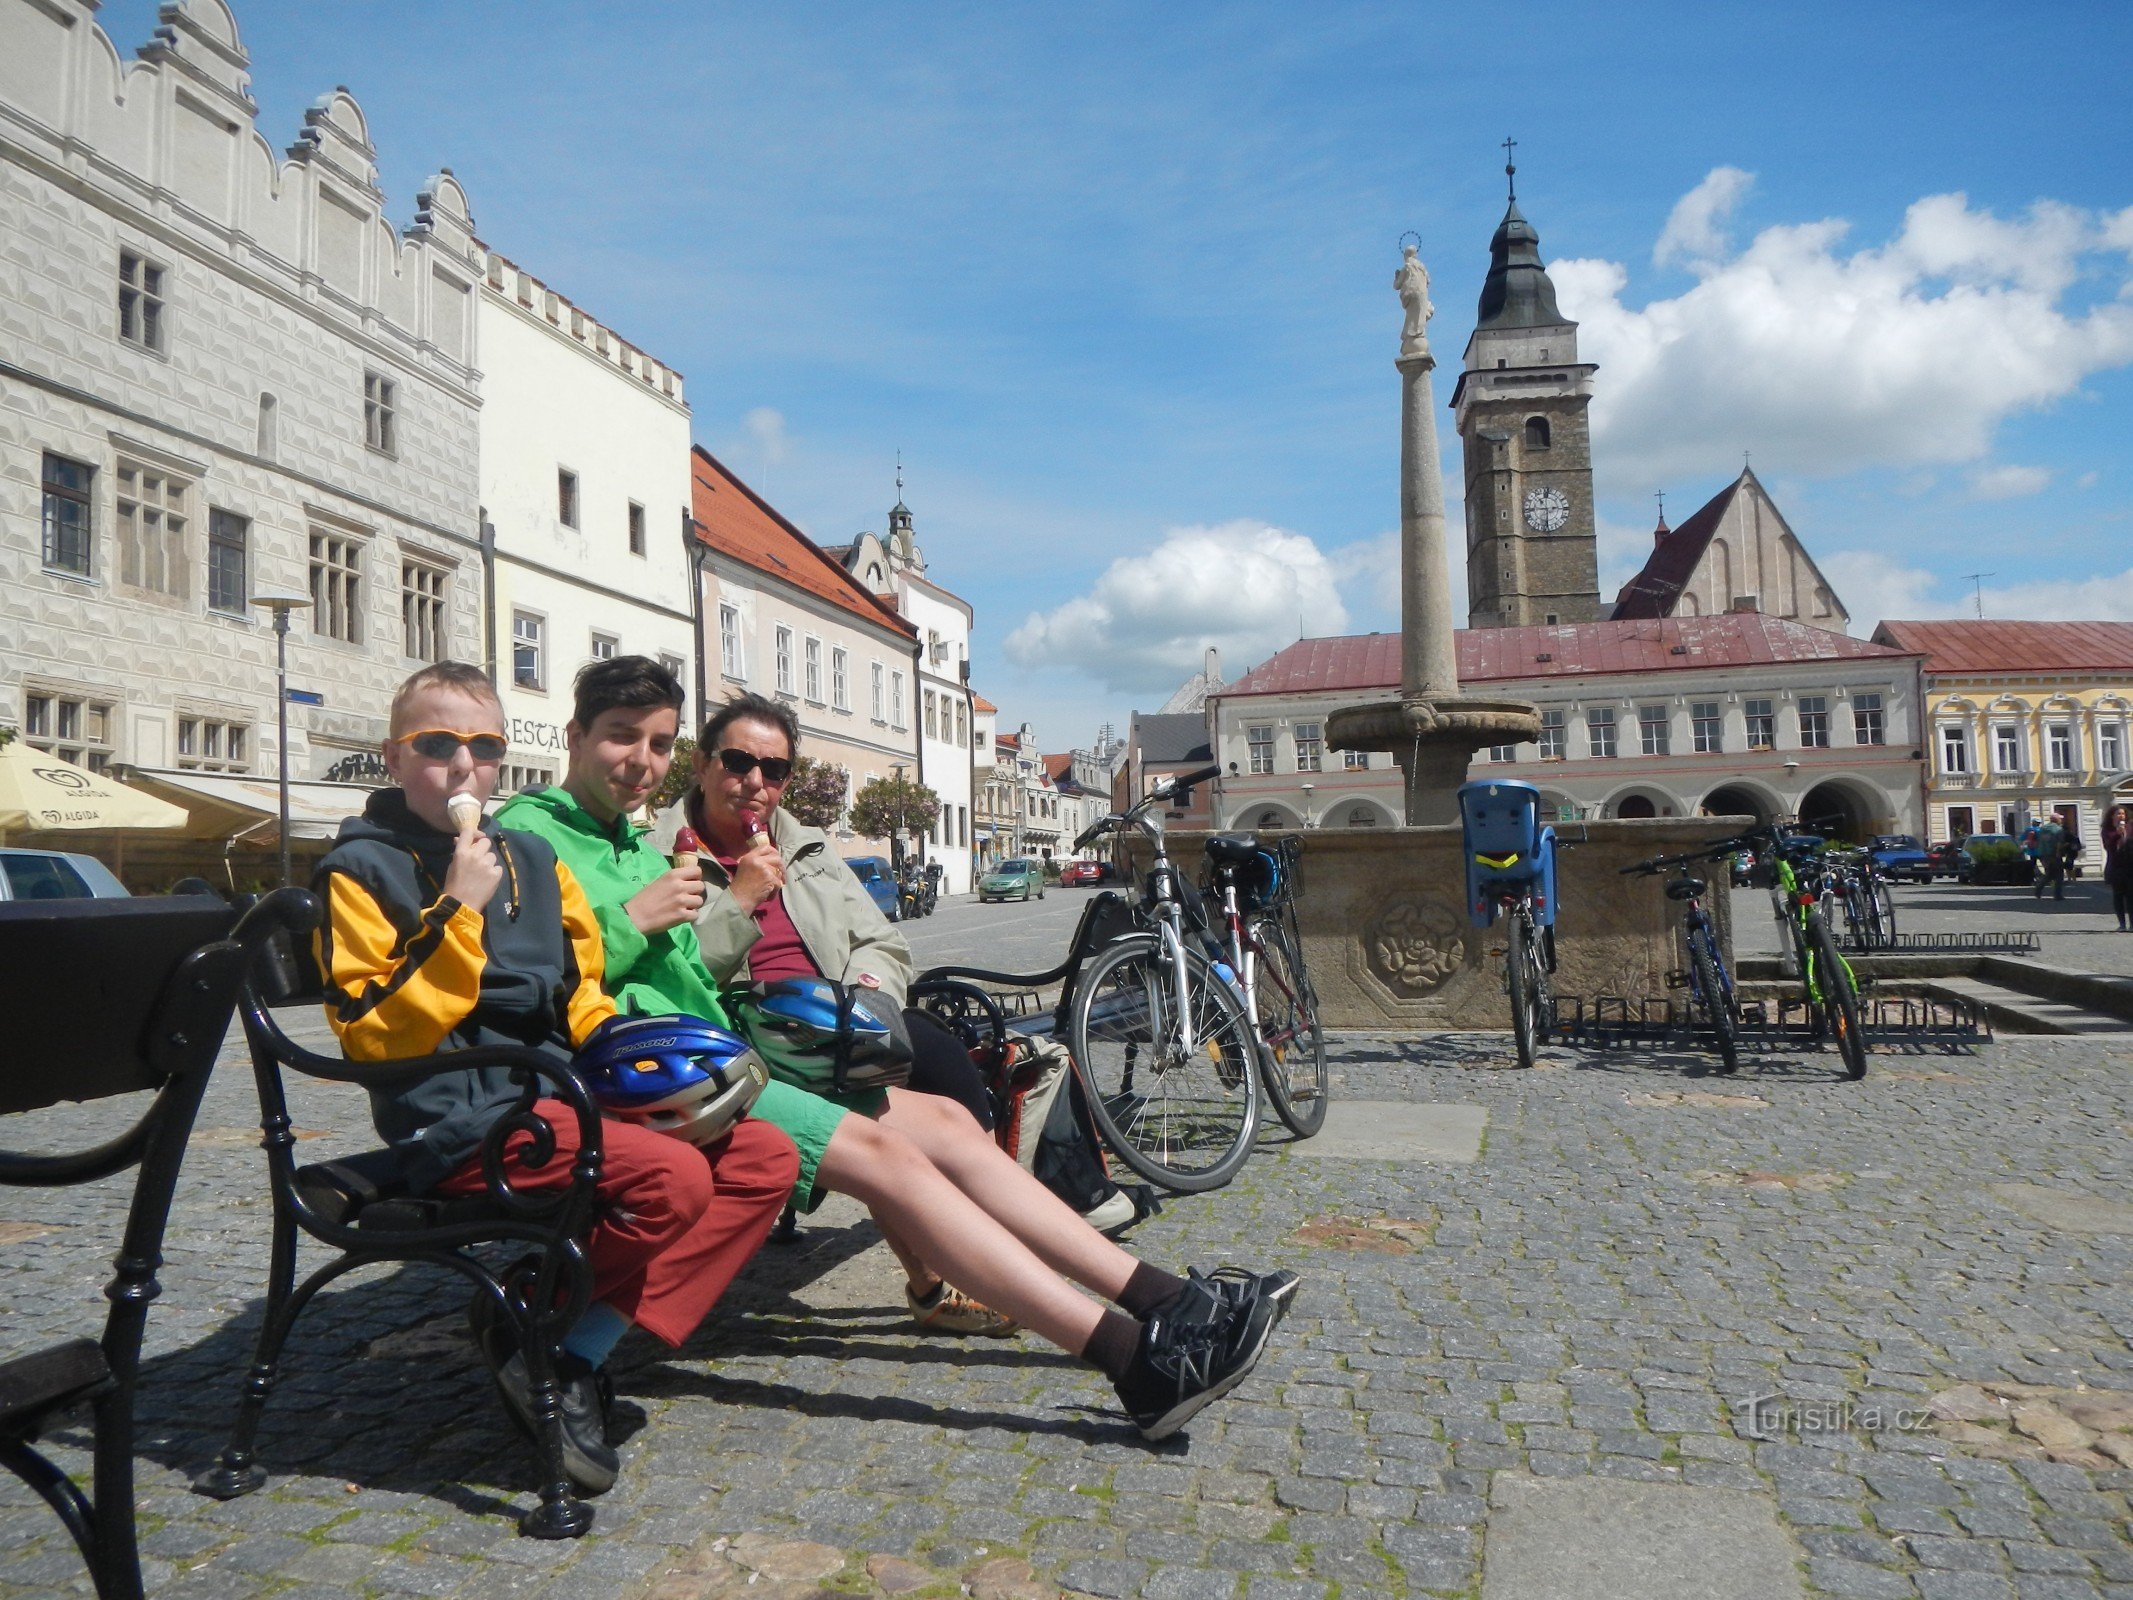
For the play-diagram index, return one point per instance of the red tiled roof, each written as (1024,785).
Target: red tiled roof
(1653,591)
(736,521)
(1057,767)
(984,704)
(1988,646)
(1578,649)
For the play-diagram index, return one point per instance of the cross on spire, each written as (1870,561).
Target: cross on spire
(1660,496)
(899,474)
(1510,165)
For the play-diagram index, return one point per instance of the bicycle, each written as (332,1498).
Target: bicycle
(1163,1041)
(1709,984)
(1852,884)
(1258,889)
(1810,951)
(1510,873)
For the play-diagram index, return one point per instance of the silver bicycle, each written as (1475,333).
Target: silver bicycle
(1164,1042)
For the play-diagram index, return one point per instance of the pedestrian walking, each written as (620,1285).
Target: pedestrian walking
(2118,866)
(2048,850)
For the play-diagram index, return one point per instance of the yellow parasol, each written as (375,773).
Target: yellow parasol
(39,792)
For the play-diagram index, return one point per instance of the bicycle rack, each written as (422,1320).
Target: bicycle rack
(1943,944)
(1904,1022)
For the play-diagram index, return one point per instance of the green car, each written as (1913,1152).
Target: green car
(1017,879)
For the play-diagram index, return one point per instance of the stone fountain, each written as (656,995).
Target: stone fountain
(1432,730)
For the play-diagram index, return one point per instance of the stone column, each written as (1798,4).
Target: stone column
(1429,657)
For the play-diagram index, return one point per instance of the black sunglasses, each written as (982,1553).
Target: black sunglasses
(776,769)
(441,744)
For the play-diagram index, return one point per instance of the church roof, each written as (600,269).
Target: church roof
(1992,646)
(1562,650)
(1517,292)
(1667,570)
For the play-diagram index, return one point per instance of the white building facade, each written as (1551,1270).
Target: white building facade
(1725,715)
(585,495)
(223,372)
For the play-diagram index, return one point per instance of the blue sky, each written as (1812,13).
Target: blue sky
(1116,278)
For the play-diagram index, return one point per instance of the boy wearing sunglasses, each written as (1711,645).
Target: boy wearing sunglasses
(447,932)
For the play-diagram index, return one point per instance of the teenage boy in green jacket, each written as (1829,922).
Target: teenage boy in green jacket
(1170,1347)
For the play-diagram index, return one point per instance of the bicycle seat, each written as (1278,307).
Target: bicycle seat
(1237,849)
(1686,888)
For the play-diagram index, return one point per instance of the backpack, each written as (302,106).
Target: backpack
(1052,1135)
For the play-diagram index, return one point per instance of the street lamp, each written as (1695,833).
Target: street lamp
(281,602)
(1308,788)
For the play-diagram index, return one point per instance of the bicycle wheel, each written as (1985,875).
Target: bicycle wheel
(1518,967)
(1717,1003)
(1292,1056)
(1885,912)
(1181,1118)
(1840,999)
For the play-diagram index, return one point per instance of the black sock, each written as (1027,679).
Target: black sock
(1149,1289)
(1114,1344)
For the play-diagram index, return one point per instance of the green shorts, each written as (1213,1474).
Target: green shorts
(809,1120)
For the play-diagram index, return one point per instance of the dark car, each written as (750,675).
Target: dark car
(1899,855)
(56,875)
(879,880)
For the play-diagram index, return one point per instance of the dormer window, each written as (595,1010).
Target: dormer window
(1537,436)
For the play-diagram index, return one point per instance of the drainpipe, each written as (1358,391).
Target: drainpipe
(488,595)
(694,550)
(918,726)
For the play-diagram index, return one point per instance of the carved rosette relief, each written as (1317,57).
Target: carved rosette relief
(1416,948)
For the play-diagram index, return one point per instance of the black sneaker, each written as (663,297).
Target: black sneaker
(584,1391)
(1193,1351)
(1239,1287)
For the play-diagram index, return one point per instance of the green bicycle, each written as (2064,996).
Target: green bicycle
(1810,952)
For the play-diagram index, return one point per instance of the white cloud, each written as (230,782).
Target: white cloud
(1696,228)
(1825,361)
(1243,587)
(2009,482)
(766,435)
(1876,587)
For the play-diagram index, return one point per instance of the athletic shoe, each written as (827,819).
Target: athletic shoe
(1239,1287)
(584,1391)
(1193,1351)
(952,1311)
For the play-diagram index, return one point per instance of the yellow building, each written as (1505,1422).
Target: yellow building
(2025,718)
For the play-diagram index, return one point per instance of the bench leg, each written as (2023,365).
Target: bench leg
(237,1471)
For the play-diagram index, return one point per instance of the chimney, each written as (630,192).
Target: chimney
(1744,605)
(1212,665)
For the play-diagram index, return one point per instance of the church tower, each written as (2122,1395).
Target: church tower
(1520,404)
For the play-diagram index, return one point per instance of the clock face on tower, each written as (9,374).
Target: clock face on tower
(1546,509)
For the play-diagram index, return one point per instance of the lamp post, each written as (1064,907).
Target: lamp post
(281,602)
(1308,790)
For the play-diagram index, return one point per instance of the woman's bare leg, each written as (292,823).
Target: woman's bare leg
(889,1175)
(955,1144)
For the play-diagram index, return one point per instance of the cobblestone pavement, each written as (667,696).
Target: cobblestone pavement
(1598,1294)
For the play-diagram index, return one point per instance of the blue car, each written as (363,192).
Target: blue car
(1899,855)
(879,879)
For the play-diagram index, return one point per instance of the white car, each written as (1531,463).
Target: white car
(56,875)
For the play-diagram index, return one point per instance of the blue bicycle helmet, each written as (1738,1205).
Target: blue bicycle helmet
(827,1038)
(675,1075)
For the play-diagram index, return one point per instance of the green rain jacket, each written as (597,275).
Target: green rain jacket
(648,975)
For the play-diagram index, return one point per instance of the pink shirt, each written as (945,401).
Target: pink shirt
(777,951)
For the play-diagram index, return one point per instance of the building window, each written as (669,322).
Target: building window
(2006,747)
(962,724)
(381,422)
(2111,746)
(152,514)
(1355,760)
(729,641)
(66,515)
(1503,752)
(605,646)
(566,497)
(140,301)
(513,776)
(209,744)
(1310,746)
(422,631)
(784,660)
(336,587)
(2059,747)
(227,536)
(675,667)
(1954,748)
(896,700)
(72,728)
(811,665)
(1707,718)
(1259,741)
(1555,737)
(1537,431)
(1814,722)
(1870,723)
(933,721)
(879,714)
(1653,736)
(840,678)
(529,650)
(1762,725)
(636,529)
(1962,822)
(1600,731)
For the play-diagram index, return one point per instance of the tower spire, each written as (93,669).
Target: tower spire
(1510,168)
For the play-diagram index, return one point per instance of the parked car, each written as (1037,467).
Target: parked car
(1993,858)
(1945,860)
(1081,874)
(879,880)
(1750,869)
(1899,855)
(1015,879)
(56,875)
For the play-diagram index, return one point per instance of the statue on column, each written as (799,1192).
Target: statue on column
(1411,281)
